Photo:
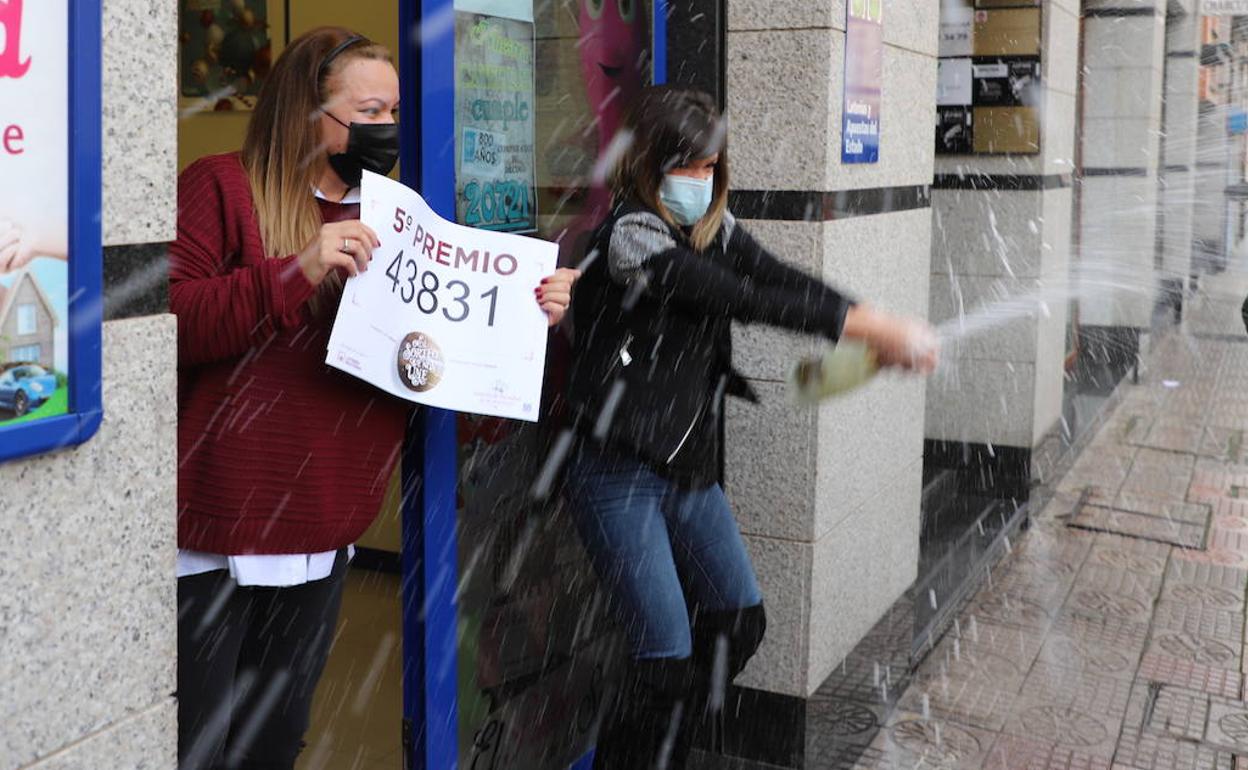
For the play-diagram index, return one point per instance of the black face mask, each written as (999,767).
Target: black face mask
(370,147)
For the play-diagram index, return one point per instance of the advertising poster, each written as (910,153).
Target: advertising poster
(494,122)
(864,72)
(955,130)
(446,317)
(1006,82)
(34,217)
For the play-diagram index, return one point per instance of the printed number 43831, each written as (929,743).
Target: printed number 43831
(404,274)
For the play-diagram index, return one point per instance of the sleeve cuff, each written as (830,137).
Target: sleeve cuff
(290,286)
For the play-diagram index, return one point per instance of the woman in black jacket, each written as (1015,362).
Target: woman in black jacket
(668,272)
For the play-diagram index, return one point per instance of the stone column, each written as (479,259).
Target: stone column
(1121,144)
(828,498)
(88,616)
(1001,228)
(1178,152)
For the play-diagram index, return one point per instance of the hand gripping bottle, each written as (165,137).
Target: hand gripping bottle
(843,368)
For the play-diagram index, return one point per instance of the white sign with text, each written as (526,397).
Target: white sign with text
(1224,7)
(445,315)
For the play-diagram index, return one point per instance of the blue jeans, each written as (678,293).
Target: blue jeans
(659,550)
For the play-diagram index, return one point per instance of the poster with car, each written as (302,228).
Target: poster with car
(34,218)
(494,118)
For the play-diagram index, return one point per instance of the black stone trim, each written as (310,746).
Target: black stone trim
(136,280)
(377,560)
(763,727)
(1001,181)
(1119,13)
(1113,171)
(1177,169)
(1211,165)
(983,470)
(815,206)
(1181,55)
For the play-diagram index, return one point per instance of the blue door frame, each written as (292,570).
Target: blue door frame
(430,452)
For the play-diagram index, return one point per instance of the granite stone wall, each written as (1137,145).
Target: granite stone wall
(828,498)
(87,535)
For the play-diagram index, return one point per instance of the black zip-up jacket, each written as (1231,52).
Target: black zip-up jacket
(653,345)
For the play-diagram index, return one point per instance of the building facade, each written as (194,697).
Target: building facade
(1052,182)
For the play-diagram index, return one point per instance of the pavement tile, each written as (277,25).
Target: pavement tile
(979,701)
(1165,507)
(1171,437)
(1095,693)
(1167,710)
(1222,443)
(1084,656)
(1201,650)
(1011,609)
(1156,528)
(1224,538)
(1218,556)
(1228,724)
(834,724)
(1129,553)
(1185,572)
(1071,728)
(1199,619)
(1230,506)
(1125,637)
(1108,604)
(1166,669)
(1012,752)
(1141,750)
(910,741)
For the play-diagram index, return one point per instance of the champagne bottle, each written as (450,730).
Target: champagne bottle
(843,368)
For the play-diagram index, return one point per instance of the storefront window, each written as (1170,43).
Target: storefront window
(540,93)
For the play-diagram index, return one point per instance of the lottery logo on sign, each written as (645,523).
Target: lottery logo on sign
(483,153)
(421,363)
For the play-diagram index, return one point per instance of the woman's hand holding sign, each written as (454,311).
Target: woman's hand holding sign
(555,293)
(348,245)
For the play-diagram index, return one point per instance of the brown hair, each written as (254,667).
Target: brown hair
(284,153)
(670,127)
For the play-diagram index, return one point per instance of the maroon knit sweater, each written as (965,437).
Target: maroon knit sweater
(277,453)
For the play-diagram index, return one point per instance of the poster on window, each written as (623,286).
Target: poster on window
(494,121)
(34,218)
(864,72)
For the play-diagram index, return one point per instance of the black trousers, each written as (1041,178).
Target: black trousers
(249,659)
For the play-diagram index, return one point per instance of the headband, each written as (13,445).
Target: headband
(337,51)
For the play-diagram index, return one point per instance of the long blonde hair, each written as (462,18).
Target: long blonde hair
(670,127)
(284,154)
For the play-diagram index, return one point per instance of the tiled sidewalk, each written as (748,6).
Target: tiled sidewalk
(1092,649)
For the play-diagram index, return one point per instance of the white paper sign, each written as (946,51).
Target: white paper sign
(953,82)
(957,24)
(445,315)
(1224,7)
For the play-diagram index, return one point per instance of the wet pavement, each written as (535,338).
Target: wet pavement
(1111,634)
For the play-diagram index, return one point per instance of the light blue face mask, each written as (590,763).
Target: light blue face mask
(686,197)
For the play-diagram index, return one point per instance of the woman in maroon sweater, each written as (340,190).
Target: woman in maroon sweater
(282,461)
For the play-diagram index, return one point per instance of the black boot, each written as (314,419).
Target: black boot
(723,643)
(642,730)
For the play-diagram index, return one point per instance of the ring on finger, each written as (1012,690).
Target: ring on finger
(346,246)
